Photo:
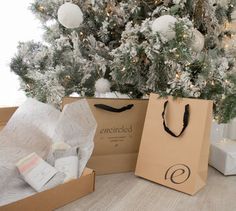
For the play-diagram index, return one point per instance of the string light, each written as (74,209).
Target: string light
(227,25)
(187,64)
(135,59)
(226,46)
(28,86)
(157,2)
(123,69)
(109,10)
(177,55)
(41,8)
(177,76)
(67,77)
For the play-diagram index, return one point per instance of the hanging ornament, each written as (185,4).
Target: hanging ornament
(198,41)
(165,26)
(74,94)
(41,8)
(112,95)
(102,85)
(70,15)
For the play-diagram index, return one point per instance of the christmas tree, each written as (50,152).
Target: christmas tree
(182,48)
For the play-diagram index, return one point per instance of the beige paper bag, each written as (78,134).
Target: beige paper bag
(175,143)
(118,135)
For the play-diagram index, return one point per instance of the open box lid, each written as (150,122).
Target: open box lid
(56,197)
(5,115)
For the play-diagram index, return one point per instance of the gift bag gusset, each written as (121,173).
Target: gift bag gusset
(175,143)
(118,135)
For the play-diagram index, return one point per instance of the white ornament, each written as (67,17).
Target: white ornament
(198,41)
(70,15)
(165,26)
(112,95)
(102,85)
(75,94)
(218,132)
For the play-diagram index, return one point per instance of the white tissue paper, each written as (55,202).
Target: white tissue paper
(77,130)
(223,156)
(33,128)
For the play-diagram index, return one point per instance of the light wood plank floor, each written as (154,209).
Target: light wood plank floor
(126,192)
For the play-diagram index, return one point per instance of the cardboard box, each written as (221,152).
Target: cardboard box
(5,115)
(223,156)
(53,198)
(118,134)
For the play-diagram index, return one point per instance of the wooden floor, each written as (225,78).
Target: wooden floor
(127,192)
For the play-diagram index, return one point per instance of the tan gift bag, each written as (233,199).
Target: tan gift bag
(118,135)
(175,143)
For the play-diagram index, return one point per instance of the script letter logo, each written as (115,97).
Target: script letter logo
(178,173)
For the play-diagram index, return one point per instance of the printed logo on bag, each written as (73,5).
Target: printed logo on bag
(121,129)
(178,173)
(116,135)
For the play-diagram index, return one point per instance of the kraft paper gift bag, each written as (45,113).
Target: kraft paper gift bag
(175,143)
(118,135)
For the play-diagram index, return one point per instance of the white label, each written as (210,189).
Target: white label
(68,165)
(40,175)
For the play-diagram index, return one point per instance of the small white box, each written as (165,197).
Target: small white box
(223,156)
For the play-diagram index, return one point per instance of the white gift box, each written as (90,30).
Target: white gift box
(223,156)
(232,129)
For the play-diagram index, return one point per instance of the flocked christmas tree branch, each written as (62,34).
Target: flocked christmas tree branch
(171,47)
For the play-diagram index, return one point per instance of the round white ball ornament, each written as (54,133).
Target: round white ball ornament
(102,85)
(164,25)
(198,41)
(70,15)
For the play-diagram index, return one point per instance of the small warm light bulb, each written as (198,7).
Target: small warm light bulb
(123,69)
(227,25)
(187,64)
(41,8)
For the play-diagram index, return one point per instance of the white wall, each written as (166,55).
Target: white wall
(17,23)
